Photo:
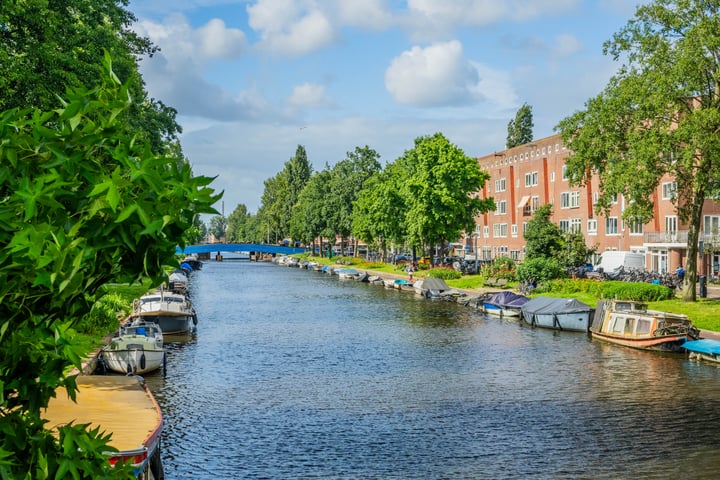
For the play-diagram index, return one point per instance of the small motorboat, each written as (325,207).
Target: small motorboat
(703,349)
(172,311)
(504,304)
(630,323)
(136,348)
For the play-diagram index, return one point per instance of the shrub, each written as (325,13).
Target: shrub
(540,269)
(444,273)
(645,292)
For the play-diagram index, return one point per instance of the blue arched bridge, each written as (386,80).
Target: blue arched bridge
(239,247)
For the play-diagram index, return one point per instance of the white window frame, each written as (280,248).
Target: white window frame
(499,185)
(611,226)
(531,179)
(669,190)
(592,226)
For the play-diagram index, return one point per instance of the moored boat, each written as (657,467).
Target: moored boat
(703,349)
(119,405)
(347,273)
(630,323)
(136,348)
(504,304)
(173,312)
(557,313)
(432,287)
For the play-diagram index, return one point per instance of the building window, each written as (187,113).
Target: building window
(564,172)
(514,230)
(500,185)
(636,227)
(576,225)
(501,208)
(570,199)
(534,203)
(592,226)
(671,224)
(596,198)
(564,225)
(524,229)
(486,231)
(500,230)
(552,176)
(611,226)
(711,224)
(531,179)
(669,190)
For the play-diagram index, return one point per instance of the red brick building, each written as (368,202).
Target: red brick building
(524,177)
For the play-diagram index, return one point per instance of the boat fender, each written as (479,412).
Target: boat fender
(164,364)
(129,369)
(142,361)
(194,318)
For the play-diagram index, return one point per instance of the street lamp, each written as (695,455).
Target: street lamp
(475,235)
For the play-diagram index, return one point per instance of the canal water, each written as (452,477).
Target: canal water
(295,374)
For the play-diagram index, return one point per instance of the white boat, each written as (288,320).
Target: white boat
(504,304)
(136,348)
(347,273)
(173,312)
(558,314)
(177,281)
(631,324)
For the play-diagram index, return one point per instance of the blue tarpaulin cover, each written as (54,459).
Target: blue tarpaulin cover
(704,345)
(507,300)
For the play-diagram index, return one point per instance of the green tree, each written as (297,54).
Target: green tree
(308,220)
(46,47)
(657,117)
(83,205)
(438,183)
(543,238)
(273,212)
(347,179)
(218,226)
(196,234)
(379,212)
(520,130)
(574,252)
(238,225)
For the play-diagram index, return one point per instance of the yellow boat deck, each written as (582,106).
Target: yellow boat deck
(120,405)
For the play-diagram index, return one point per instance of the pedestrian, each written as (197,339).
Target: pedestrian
(410,271)
(680,272)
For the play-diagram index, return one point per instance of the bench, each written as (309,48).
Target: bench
(496,282)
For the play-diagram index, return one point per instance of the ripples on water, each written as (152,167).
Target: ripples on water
(296,374)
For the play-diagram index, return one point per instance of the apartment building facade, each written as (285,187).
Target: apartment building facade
(525,177)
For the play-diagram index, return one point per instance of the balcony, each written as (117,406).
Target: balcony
(669,238)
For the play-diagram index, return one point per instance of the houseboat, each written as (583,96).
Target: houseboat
(631,324)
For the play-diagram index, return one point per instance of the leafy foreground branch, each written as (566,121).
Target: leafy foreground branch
(83,205)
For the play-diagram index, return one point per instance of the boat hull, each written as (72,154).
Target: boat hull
(171,324)
(496,311)
(133,360)
(704,349)
(659,344)
(572,322)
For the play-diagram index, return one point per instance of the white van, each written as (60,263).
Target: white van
(612,260)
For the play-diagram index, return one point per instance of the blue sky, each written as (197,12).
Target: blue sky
(253,79)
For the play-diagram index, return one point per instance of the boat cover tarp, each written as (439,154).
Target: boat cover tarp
(550,305)
(707,346)
(507,300)
(435,284)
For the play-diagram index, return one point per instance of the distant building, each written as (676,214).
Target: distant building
(527,176)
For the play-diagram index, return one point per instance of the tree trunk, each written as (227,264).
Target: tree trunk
(691,268)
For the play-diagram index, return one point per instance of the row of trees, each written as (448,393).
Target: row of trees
(95,190)
(424,198)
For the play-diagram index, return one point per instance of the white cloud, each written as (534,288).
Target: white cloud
(434,76)
(567,45)
(370,14)
(217,41)
(309,95)
(289,27)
